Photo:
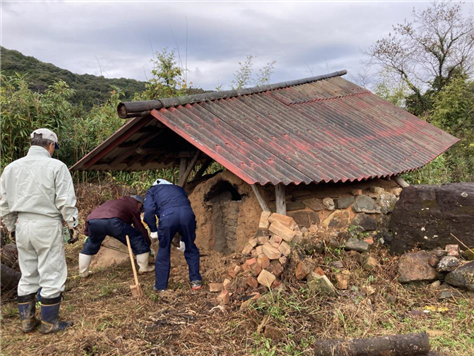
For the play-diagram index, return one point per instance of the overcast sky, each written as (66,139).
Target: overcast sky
(118,38)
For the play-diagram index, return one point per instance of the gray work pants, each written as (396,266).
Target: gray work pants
(41,256)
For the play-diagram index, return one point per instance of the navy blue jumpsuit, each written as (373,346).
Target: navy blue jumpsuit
(171,204)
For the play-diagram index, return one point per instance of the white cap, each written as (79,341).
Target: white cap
(162,181)
(48,135)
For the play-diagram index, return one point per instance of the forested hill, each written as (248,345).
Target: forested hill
(89,89)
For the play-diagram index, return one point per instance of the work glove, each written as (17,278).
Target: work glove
(182,246)
(154,235)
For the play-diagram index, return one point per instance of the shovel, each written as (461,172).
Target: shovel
(135,289)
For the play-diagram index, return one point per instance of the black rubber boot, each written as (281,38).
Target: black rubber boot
(27,310)
(50,316)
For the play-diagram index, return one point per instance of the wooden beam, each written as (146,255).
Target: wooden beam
(183,163)
(259,197)
(182,179)
(401,182)
(131,151)
(280,199)
(203,168)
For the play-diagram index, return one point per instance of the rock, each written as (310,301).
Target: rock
(344,202)
(356,192)
(285,249)
(319,271)
(342,279)
(446,294)
(276,268)
(247,249)
(396,191)
(304,219)
(263,261)
(435,285)
(263,222)
(434,260)
(414,266)
(256,269)
(319,246)
(333,243)
(426,215)
(274,333)
(295,205)
(224,297)
(365,204)
(447,264)
(368,262)
(271,252)
(376,190)
(339,219)
(303,268)
(365,222)
(266,278)
(252,282)
(322,284)
(462,276)
(329,203)
(226,284)
(281,230)
(215,287)
(356,245)
(314,204)
(369,240)
(336,265)
(285,220)
(453,250)
(262,240)
(468,254)
(387,202)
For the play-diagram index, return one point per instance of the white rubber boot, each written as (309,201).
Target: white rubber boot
(84,262)
(143,265)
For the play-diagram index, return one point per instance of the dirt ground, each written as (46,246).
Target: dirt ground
(109,321)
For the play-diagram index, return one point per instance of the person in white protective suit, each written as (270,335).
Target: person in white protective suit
(37,193)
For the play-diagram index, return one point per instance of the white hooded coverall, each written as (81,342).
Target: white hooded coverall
(36,194)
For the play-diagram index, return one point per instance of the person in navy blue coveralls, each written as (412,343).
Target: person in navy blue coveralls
(171,205)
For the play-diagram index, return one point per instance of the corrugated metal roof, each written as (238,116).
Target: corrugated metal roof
(321,131)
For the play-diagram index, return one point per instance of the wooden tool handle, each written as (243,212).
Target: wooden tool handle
(131,260)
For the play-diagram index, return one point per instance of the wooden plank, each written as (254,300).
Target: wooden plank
(259,197)
(280,199)
(203,168)
(401,182)
(183,163)
(182,179)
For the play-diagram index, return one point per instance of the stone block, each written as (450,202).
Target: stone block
(262,240)
(447,264)
(376,190)
(271,252)
(226,284)
(368,262)
(285,249)
(462,277)
(224,297)
(285,220)
(453,250)
(365,222)
(266,278)
(356,192)
(263,261)
(356,245)
(344,202)
(294,205)
(322,284)
(303,268)
(263,222)
(365,204)
(215,287)
(283,231)
(304,219)
(338,219)
(387,202)
(414,266)
(314,204)
(252,282)
(247,249)
(329,203)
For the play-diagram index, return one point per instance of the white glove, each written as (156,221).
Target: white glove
(154,235)
(182,246)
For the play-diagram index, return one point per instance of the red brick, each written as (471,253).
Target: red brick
(224,297)
(263,261)
(266,278)
(252,282)
(283,219)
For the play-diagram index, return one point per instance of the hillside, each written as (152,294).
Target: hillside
(89,89)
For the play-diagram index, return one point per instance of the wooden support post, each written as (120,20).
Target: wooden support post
(182,167)
(401,182)
(260,199)
(189,169)
(280,199)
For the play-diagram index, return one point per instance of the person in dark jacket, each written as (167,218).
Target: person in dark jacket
(171,205)
(114,218)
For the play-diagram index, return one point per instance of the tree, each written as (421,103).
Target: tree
(428,51)
(244,75)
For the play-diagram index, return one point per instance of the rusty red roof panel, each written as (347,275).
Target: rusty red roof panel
(328,130)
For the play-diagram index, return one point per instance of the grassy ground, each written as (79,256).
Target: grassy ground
(108,321)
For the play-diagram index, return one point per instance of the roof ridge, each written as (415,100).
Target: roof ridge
(141,108)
